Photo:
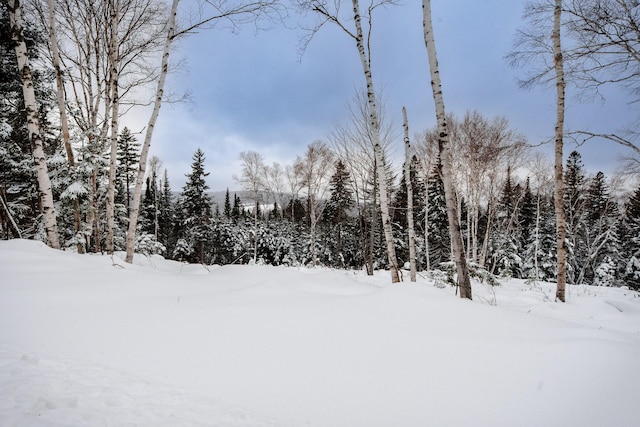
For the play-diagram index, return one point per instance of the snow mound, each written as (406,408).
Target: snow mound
(45,391)
(91,340)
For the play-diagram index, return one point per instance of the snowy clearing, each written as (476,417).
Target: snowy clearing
(90,340)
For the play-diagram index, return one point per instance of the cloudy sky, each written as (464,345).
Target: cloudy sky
(254,91)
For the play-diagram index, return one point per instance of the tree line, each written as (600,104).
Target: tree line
(73,178)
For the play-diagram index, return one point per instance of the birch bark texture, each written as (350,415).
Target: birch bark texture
(330,11)
(114,24)
(33,124)
(463,280)
(409,184)
(144,153)
(559,133)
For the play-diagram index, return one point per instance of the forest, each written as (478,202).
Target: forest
(472,197)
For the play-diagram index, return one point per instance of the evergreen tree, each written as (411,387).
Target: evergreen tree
(336,212)
(574,199)
(227,205)
(600,237)
(237,211)
(439,240)
(128,158)
(195,207)
(149,207)
(630,242)
(505,240)
(526,214)
(166,216)
(539,256)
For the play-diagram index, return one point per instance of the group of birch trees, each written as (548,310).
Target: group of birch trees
(106,57)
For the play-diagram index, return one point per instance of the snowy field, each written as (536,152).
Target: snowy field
(87,340)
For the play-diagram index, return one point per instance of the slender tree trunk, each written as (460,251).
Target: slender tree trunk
(135,204)
(407,179)
(374,219)
(114,23)
(64,119)
(33,124)
(426,228)
(559,189)
(377,148)
(464,281)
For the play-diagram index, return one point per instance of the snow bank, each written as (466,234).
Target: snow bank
(90,340)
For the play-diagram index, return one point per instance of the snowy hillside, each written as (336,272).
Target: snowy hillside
(87,340)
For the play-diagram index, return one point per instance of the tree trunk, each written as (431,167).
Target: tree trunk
(559,189)
(377,148)
(464,281)
(407,179)
(33,124)
(135,204)
(64,119)
(114,23)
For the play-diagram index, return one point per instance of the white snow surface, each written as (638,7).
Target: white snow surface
(87,340)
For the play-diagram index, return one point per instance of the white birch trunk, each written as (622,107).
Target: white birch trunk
(377,148)
(407,180)
(33,124)
(135,203)
(559,185)
(114,23)
(464,282)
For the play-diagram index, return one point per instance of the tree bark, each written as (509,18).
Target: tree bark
(114,23)
(407,180)
(463,280)
(559,133)
(135,204)
(33,124)
(377,148)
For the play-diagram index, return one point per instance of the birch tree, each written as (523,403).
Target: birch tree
(532,48)
(33,123)
(330,11)
(317,166)
(462,269)
(252,180)
(353,144)
(559,135)
(407,178)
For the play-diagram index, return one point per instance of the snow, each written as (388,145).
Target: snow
(90,340)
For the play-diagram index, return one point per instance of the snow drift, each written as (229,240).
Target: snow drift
(90,340)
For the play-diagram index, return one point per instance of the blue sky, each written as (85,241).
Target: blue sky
(253,91)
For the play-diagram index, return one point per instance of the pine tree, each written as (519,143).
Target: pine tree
(574,188)
(128,158)
(630,242)
(336,211)
(505,241)
(195,207)
(166,216)
(599,238)
(227,205)
(526,215)
(438,233)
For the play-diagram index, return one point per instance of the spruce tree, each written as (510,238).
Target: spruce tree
(574,199)
(195,207)
(128,158)
(630,242)
(438,233)
(227,205)
(336,211)
(166,216)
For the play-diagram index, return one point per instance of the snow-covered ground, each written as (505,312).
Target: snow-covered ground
(87,340)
